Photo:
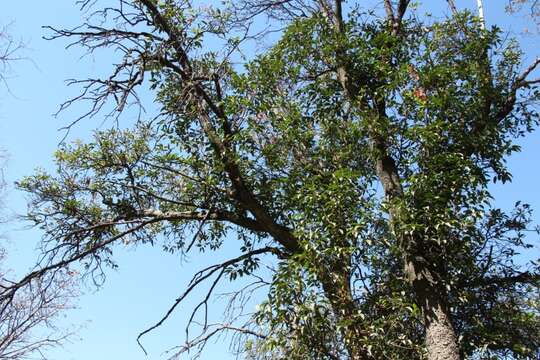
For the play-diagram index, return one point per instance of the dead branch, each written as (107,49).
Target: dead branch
(199,278)
(32,311)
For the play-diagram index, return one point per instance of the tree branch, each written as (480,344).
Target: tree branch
(200,277)
(221,146)
(521,278)
(520,82)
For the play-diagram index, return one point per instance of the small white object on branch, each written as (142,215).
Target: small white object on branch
(481,14)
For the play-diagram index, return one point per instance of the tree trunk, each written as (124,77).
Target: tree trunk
(336,286)
(431,296)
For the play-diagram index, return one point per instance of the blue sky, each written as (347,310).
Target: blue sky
(148,280)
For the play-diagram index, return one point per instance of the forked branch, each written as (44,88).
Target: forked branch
(202,276)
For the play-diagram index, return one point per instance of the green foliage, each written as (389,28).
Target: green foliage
(441,95)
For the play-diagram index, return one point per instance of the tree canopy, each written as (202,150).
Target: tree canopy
(356,151)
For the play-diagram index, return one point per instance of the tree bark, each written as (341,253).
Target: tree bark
(441,340)
(431,296)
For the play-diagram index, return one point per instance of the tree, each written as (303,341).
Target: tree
(27,317)
(286,151)
(28,320)
(9,48)
(514,5)
(532,8)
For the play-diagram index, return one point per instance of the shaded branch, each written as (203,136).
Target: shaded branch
(395,15)
(521,278)
(520,82)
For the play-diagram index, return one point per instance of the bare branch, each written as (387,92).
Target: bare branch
(200,277)
(214,330)
(520,82)
(7,296)
(27,320)
(9,50)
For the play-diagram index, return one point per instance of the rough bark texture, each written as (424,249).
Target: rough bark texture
(431,296)
(441,341)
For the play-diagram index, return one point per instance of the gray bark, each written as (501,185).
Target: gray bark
(431,296)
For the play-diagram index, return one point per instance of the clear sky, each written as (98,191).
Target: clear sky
(148,280)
